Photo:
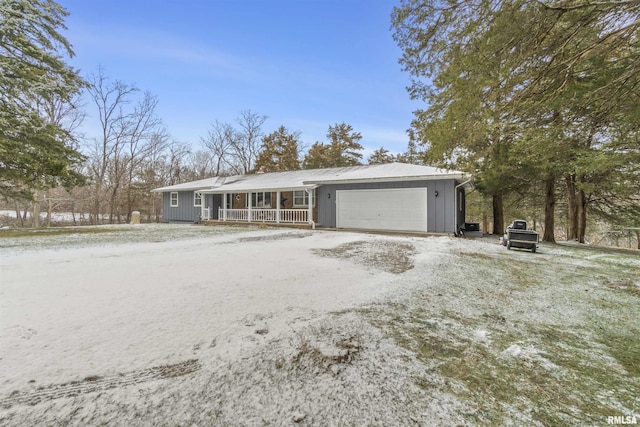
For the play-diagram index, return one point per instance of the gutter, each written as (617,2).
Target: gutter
(221,189)
(384,179)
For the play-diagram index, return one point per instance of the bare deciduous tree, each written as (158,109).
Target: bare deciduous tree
(143,125)
(109,97)
(127,138)
(219,142)
(247,146)
(235,150)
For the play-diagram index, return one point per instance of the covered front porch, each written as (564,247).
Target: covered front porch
(280,206)
(264,215)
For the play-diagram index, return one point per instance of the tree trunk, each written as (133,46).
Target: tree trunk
(582,215)
(19,215)
(549,209)
(73,211)
(113,209)
(129,202)
(157,210)
(498,214)
(485,221)
(572,210)
(36,209)
(49,211)
(94,218)
(638,238)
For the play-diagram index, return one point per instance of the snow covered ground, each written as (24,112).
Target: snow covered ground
(181,324)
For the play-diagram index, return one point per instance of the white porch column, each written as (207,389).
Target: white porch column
(310,207)
(278,206)
(202,206)
(224,207)
(249,207)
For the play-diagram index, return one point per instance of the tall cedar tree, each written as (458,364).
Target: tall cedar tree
(279,151)
(35,153)
(341,150)
(380,156)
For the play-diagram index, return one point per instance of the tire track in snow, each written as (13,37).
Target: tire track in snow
(94,383)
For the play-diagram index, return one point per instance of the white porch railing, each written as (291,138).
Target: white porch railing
(206,214)
(294,215)
(233,215)
(264,215)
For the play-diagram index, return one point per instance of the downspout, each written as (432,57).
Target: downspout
(455,206)
(310,219)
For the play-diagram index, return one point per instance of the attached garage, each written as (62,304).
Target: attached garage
(403,209)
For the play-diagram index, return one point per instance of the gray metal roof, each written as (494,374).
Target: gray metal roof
(192,185)
(311,178)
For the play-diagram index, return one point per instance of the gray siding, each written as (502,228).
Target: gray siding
(185,210)
(441,213)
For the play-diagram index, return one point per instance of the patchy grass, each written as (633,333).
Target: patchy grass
(51,231)
(624,285)
(86,236)
(391,256)
(534,340)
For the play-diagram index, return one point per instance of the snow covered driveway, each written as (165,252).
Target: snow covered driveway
(67,314)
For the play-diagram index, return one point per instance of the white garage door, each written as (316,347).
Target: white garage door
(389,209)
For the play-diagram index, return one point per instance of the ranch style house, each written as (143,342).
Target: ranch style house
(390,197)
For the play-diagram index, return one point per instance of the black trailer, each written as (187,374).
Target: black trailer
(517,236)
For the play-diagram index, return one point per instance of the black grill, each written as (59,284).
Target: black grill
(472,226)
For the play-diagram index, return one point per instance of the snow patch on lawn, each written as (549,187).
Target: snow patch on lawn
(529,354)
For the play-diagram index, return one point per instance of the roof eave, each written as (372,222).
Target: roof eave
(257,189)
(389,179)
(172,189)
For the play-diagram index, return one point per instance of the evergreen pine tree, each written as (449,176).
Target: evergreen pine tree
(34,152)
(279,152)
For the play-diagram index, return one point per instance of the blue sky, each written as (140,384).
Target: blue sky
(306,64)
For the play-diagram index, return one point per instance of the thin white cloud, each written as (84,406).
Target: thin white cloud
(143,44)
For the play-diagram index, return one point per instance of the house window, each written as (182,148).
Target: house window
(260,200)
(197,200)
(301,198)
(173,197)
